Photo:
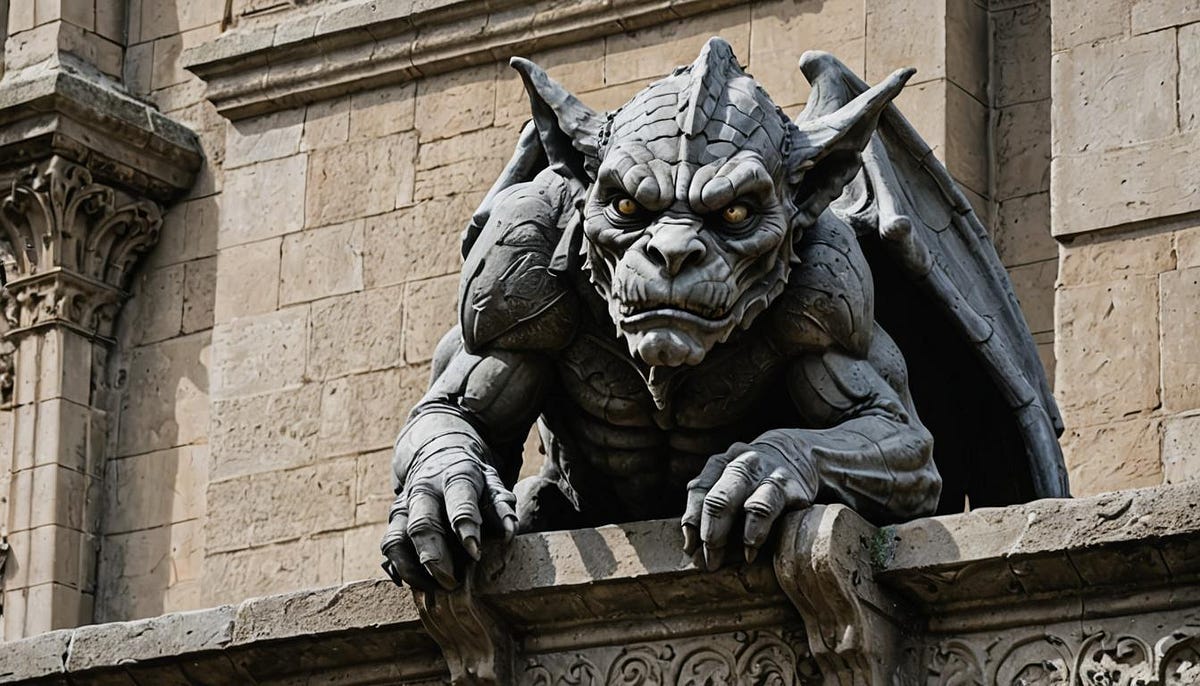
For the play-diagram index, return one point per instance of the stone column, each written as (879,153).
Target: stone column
(85,171)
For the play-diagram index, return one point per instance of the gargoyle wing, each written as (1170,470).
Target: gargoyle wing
(528,158)
(981,390)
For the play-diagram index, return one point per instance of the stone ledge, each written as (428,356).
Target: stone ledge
(69,110)
(338,48)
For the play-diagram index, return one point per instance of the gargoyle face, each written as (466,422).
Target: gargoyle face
(697,190)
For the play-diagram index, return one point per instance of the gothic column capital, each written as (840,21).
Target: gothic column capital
(69,244)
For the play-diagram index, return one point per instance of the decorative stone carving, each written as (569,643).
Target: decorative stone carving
(477,646)
(69,246)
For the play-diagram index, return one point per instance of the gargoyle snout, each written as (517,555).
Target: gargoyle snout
(674,243)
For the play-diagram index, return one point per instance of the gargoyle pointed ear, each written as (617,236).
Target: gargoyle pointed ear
(824,152)
(569,129)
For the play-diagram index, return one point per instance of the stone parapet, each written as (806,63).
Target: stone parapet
(1078,591)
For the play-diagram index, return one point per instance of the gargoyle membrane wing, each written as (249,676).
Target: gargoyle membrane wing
(943,294)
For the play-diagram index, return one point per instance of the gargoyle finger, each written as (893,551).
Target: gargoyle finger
(462,508)
(762,509)
(723,503)
(428,534)
(401,562)
(503,502)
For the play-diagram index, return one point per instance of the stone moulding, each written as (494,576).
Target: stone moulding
(1106,591)
(337,48)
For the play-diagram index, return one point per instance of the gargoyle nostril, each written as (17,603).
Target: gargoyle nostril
(673,252)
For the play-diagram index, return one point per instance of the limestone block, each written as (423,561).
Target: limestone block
(362,412)
(265,433)
(165,70)
(1189,76)
(1109,188)
(169,406)
(782,30)
(139,60)
(259,354)
(1075,22)
(356,333)
(326,124)
(610,98)
(647,54)
(430,311)
(360,179)
(138,569)
(305,563)
(1109,457)
(318,263)
(1022,230)
(361,556)
(1181,339)
(1022,149)
(30,47)
(157,304)
(37,656)
(308,613)
(102,54)
(578,67)
(247,280)
(453,103)
(21,17)
(924,106)
(63,435)
(1118,93)
(374,487)
(1187,247)
(1021,53)
(1152,15)
(46,554)
(109,645)
(199,294)
(906,33)
(1034,286)
(189,232)
(263,200)
(417,242)
(470,162)
(383,111)
(49,494)
(1181,449)
(52,353)
(155,489)
(967,58)
(1107,347)
(1100,261)
(274,507)
(110,21)
(158,19)
(966,152)
(57,607)
(264,138)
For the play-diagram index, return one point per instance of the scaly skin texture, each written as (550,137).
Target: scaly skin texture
(694,332)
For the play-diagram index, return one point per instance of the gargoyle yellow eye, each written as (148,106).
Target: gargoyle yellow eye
(735,213)
(626,207)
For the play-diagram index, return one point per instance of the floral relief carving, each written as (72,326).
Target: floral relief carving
(744,658)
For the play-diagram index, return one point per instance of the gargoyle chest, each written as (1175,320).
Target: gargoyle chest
(601,379)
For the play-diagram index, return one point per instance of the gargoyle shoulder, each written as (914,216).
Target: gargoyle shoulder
(508,298)
(829,300)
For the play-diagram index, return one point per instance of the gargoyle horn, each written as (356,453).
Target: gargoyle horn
(569,129)
(711,72)
(831,145)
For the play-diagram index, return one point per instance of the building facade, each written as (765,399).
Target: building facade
(218,425)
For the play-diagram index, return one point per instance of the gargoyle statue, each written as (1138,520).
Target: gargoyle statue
(692,296)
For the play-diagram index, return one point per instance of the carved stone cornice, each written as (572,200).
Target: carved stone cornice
(335,48)
(69,245)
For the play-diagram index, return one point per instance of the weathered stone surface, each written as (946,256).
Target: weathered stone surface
(265,433)
(310,562)
(429,307)
(327,610)
(1181,448)
(1102,261)
(1187,247)
(417,242)
(465,163)
(581,67)
(361,557)
(1022,230)
(892,44)
(454,103)
(966,26)
(1189,76)
(780,27)
(259,354)
(323,262)
(158,297)
(1115,94)
(247,280)
(361,412)
(148,572)
(1180,292)
(35,657)
(1021,53)
(1108,354)
(1022,149)
(109,645)
(1076,22)
(263,200)
(383,169)
(326,124)
(383,111)
(373,487)
(649,53)
(1152,15)
(1034,285)
(170,406)
(264,138)
(199,294)
(1122,452)
(358,332)
(280,506)
(155,489)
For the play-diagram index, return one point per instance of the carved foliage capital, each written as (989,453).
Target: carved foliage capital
(69,244)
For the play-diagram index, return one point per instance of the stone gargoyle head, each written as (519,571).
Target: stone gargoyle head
(697,191)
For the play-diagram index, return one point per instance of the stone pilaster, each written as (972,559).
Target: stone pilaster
(85,173)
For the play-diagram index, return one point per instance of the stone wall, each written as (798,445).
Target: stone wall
(281,329)
(1126,191)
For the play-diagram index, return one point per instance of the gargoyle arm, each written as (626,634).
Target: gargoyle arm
(457,457)
(871,453)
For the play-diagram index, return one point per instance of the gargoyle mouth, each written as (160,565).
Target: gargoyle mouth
(650,318)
